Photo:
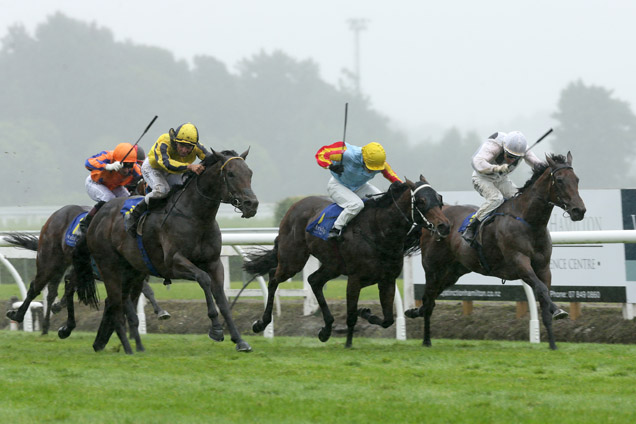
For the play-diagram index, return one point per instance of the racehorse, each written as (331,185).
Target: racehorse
(371,250)
(181,240)
(54,256)
(515,244)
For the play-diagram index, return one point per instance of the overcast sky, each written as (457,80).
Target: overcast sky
(467,63)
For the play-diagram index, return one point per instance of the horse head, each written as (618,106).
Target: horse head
(564,187)
(426,208)
(236,176)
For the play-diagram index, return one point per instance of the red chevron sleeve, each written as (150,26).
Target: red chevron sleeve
(330,153)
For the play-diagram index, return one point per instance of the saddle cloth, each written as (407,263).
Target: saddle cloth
(72,232)
(320,226)
(129,204)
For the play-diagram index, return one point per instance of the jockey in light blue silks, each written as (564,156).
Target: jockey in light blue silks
(352,168)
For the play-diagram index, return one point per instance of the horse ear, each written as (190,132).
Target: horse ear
(244,154)
(569,158)
(409,183)
(172,134)
(550,161)
(422,179)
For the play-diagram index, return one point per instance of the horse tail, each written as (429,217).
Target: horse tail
(27,241)
(84,276)
(261,261)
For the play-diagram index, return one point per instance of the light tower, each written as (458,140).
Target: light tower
(357,25)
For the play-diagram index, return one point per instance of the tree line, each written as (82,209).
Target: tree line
(71,90)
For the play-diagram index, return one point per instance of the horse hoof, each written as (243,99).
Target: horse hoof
(98,348)
(163,315)
(324,335)
(258,326)
(56,307)
(64,332)
(216,334)
(412,313)
(364,313)
(243,346)
(13,315)
(559,314)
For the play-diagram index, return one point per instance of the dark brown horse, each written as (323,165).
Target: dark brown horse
(372,250)
(516,244)
(54,256)
(181,239)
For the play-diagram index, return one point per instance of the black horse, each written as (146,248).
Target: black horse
(181,240)
(372,250)
(516,244)
(54,257)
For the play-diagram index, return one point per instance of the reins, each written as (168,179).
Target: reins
(201,193)
(563,205)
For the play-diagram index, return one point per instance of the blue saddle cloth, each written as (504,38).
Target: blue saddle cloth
(320,226)
(129,204)
(465,223)
(72,232)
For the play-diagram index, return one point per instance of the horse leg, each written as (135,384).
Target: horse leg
(353,295)
(50,299)
(216,274)
(69,290)
(105,329)
(17,315)
(150,295)
(387,298)
(133,323)
(260,325)
(317,281)
(548,309)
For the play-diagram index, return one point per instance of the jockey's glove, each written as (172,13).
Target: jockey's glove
(115,166)
(337,168)
(500,169)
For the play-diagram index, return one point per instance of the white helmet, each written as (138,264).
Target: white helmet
(515,143)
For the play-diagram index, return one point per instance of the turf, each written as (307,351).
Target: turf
(189,378)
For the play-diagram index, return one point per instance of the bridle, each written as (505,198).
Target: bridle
(426,223)
(233,200)
(559,201)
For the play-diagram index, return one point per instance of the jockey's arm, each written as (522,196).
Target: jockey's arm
(388,173)
(329,154)
(483,159)
(532,160)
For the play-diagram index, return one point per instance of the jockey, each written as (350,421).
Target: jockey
(492,163)
(352,168)
(111,172)
(169,158)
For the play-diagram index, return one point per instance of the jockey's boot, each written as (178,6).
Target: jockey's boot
(471,230)
(84,223)
(132,218)
(334,234)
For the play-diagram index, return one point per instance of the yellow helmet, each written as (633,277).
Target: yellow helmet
(186,133)
(374,156)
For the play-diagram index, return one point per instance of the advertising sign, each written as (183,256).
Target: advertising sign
(580,272)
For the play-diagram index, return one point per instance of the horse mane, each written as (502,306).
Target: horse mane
(386,199)
(538,170)
(208,161)
(396,189)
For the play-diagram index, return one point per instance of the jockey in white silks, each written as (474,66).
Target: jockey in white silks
(494,160)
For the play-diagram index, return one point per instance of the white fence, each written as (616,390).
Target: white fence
(235,240)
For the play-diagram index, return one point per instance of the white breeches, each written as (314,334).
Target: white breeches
(351,201)
(159,181)
(101,193)
(494,192)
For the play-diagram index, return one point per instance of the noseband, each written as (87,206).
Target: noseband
(427,224)
(560,202)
